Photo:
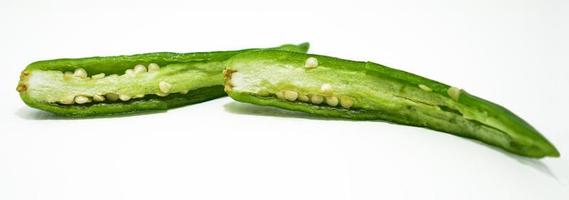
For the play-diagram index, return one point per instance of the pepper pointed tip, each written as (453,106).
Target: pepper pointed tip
(554,153)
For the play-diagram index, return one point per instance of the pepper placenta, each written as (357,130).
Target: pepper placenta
(124,84)
(333,87)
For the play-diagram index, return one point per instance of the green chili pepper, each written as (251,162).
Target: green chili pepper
(124,84)
(333,87)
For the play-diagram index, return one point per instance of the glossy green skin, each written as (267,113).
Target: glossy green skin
(468,116)
(118,64)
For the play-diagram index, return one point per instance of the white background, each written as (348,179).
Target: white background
(513,52)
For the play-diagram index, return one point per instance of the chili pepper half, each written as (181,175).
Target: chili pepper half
(124,84)
(333,87)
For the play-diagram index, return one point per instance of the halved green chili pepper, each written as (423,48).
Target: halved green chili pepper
(158,81)
(333,87)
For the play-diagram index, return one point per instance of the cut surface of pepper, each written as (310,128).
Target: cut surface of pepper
(94,86)
(333,87)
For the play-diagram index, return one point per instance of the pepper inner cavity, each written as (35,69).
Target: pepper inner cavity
(295,87)
(79,87)
(310,81)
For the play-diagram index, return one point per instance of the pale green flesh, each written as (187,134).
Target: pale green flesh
(367,92)
(53,86)
(372,93)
